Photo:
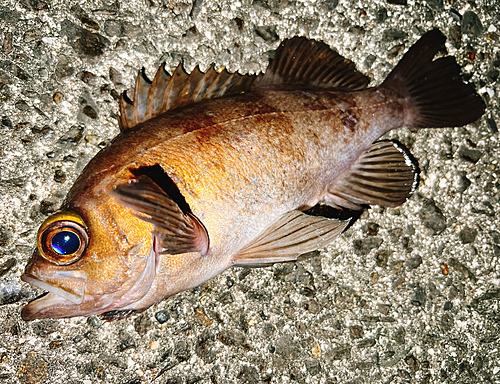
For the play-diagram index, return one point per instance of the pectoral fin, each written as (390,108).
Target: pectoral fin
(178,231)
(291,236)
(386,175)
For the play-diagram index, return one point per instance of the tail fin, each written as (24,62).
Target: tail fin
(436,95)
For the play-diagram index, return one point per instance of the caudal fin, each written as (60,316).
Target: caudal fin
(434,90)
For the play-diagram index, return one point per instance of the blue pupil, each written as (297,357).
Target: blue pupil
(65,243)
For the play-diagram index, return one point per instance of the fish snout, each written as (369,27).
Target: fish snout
(62,285)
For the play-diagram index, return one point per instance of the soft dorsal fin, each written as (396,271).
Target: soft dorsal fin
(303,61)
(178,231)
(385,174)
(167,92)
(292,235)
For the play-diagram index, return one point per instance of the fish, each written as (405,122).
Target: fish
(215,169)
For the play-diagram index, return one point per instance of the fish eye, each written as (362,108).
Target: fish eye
(63,238)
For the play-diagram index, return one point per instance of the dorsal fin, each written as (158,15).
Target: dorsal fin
(167,92)
(303,61)
(296,61)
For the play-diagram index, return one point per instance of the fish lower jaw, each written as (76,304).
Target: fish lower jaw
(76,297)
(40,307)
(44,305)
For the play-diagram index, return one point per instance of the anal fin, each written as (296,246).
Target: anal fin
(385,174)
(292,235)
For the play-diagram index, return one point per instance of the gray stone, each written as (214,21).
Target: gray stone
(356,331)
(414,262)
(182,351)
(462,182)
(370,229)
(392,34)
(6,123)
(142,324)
(34,5)
(454,263)
(413,363)
(455,34)
(313,366)
(342,352)
(436,4)
(399,335)
(267,32)
(471,25)
(420,296)
(467,235)
(22,106)
(84,42)
(381,15)
(113,28)
(162,316)
(232,338)
(492,125)
(332,4)
(469,155)
(446,322)
(131,30)
(432,217)
(287,347)
(366,343)
(59,176)
(63,68)
(364,246)
(81,15)
(73,135)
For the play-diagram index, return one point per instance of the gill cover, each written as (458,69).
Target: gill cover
(62,238)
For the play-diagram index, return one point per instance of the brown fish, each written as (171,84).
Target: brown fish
(213,170)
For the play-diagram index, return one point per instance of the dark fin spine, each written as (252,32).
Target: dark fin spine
(119,314)
(436,95)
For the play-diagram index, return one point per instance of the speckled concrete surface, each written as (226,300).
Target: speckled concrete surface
(407,295)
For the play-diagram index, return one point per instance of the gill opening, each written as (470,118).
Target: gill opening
(159,176)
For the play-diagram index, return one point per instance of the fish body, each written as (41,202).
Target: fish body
(182,195)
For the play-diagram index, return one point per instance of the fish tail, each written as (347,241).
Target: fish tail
(435,94)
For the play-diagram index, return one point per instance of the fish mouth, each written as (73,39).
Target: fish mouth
(40,307)
(71,285)
(69,292)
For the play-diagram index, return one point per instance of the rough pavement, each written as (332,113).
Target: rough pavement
(407,295)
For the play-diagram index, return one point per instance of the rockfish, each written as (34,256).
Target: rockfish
(213,170)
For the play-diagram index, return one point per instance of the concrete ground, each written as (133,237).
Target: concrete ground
(407,295)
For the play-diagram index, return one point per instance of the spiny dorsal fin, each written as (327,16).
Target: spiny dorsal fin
(167,92)
(385,174)
(303,61)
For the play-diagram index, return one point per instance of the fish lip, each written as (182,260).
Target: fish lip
(76,297)
(35,308)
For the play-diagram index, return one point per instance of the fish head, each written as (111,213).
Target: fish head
(93,259)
